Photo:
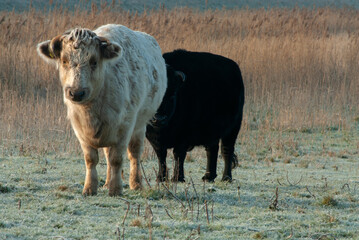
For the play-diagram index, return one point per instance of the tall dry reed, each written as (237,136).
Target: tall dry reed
(300,66)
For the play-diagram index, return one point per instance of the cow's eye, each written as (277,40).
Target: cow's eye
(65,62)
(93,64)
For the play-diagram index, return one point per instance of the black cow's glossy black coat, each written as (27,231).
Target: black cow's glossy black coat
(209,109)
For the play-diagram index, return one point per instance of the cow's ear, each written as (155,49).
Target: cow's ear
(180,75)
(109,50)
(50,50)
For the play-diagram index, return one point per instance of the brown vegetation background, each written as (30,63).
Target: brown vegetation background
(300,67)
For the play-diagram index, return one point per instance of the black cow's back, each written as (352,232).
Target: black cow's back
(210,102)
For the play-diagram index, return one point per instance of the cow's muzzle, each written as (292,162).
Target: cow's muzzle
(76,94)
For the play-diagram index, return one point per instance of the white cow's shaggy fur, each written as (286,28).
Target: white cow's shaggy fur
(113,81)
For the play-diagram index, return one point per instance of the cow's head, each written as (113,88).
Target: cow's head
(79,54)
(175,79)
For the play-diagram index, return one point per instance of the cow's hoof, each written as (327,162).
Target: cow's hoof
(135,181)
(115,192)
(179,179)
(89,192)
(161,178)
(208,178)
(135,185)
(226,179)
(234,161)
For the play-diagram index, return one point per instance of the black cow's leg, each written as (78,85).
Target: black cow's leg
(162,167)
(212,155)
(227,150)
(178,172)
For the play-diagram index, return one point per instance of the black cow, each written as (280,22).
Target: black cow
(207,107)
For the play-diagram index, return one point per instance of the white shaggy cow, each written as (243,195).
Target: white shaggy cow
(113,81)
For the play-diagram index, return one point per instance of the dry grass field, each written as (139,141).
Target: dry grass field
(300,131)
(300,67)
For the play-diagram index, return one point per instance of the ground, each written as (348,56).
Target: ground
(316,173)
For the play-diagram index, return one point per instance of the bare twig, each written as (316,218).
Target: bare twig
(294,184)
(150,228)
(204,189)
(212,212)
(144,175)
(19,204)
(138,210)
(190,235)
(128,209)
(345,185)
(205,203)
(186,194)
(325,181)
(185,212)
(149,218)
(168,213)
(148,213)
(192,207)
(311,194)
(291,233)
(195,191)
(157,182)
(274,204)
(118,233)
(174,196)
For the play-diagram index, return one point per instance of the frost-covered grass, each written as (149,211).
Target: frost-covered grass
(317,175)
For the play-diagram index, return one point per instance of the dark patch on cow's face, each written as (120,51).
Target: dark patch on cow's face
(65,61)
(93,63)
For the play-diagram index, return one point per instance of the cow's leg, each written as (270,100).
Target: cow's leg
(91,179)
(178,172)
(114,156)
(134,150)
(212,155)
(227,151)
(106,151)
(162,166)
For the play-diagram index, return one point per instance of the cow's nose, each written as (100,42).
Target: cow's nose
(76,95)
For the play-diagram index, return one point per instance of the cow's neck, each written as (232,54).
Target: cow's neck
(88,119)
